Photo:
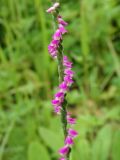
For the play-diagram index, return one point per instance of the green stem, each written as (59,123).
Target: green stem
(6,138)
(61,78)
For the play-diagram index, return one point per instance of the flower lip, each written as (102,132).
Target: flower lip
(57,35)
(69,141)
(71,120)
(51,49)
(62,29)
(68,80)
(65,58)
(64,150)
(63,86)
(55,42)
(59,94)
(69,72)
(57,109)
(61,21)
(72,133)
(55,102)
(62,158)
(53,54)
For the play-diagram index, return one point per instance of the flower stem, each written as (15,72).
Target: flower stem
(61,79)
(64,104)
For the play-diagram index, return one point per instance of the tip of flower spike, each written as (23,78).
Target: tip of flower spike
(50,10)
(56,5)
(53,8)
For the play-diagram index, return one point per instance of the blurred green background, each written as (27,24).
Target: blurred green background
(29,130)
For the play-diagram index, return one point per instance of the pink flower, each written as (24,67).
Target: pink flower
(59,94)
(55,102)
(69,141)
(54,48)
(55,42)
(68,80)
(56,5)
(63,86)
(51,48)
(64,150)
(62,29)
(57,109)
(71,120)
(65,58)
(50,10)
(67,64)
(69,72)
(72,133)
(57,35)
(62,158)
(54,54)
(53,8)
(61,21)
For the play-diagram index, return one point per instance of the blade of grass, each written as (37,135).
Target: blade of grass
(5,139)
(115,57)
(84,41)
(45,56)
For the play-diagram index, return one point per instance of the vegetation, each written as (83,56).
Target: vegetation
(29,130)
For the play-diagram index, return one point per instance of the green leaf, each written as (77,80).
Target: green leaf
(101,145)
(36,151)
(82,151)
(54,140)
(116,146)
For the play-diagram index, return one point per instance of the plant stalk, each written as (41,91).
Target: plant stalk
(61,79)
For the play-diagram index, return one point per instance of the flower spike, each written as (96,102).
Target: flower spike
(54,49)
